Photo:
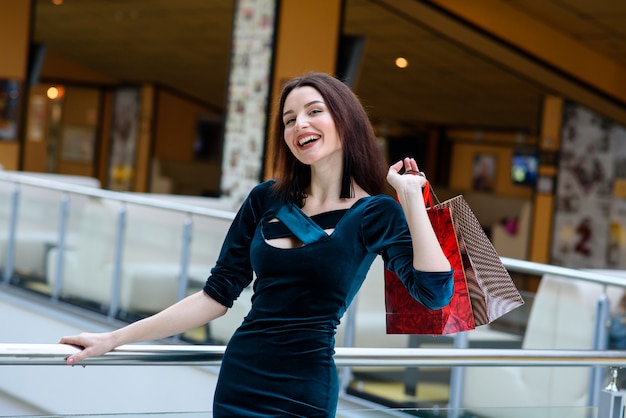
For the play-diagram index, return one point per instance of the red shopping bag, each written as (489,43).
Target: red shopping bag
(405,315)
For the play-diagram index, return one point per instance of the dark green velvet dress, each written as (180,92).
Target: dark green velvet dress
(279,362)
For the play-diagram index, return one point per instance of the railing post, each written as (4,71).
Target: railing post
(600,338)
(611,399)
(10,254)
(60,263)
(116,284)
(183,277)
(457,374)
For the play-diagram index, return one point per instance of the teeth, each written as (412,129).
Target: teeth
(307,139)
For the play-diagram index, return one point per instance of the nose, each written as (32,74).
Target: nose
(301,122)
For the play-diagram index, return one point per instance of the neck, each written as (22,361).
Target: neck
(325,185)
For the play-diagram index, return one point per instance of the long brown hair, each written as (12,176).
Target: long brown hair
(363,160)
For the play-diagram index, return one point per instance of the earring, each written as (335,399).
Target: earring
(347,188)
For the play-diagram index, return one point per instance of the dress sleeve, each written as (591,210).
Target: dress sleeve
(385,232)
(233,270)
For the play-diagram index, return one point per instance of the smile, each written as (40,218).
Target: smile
(308,139)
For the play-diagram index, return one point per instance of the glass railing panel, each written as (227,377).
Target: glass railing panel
(88,257)
(402,387)
(151,260)
(6,194)
(38,236)
(36,231)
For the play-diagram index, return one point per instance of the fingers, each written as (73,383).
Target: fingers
(409,165)
(397,166)
(90,345)
(74,358)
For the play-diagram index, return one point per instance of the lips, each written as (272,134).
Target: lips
(309,139)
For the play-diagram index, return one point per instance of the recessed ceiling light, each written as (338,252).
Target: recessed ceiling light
(402,62)
(57,2)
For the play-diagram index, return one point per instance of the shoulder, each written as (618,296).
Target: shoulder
(381,208)
(261,192)
(382,203)
(383,223)
(263,188)
(260,198)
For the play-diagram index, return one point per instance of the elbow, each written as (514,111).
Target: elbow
(438,303)
(438,293)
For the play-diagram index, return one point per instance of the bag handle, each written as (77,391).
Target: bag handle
(430,198)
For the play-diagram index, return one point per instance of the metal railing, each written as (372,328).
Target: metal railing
(610,399)
(211,355)
(347,357)
(124,199)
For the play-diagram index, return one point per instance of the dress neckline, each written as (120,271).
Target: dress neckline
(304,227)
(325,220)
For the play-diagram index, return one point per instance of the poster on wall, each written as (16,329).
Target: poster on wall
(9,109)
(78,143)
(484,172)
(589,217)
(124,136)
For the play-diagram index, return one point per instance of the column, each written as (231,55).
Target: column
(543,208)
(269,46)
(14,45)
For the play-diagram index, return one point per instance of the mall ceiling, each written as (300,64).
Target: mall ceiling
(185,45)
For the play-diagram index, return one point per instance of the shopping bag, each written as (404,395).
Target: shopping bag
(492,290)
(405,315)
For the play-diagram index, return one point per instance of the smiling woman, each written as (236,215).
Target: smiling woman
(309,238)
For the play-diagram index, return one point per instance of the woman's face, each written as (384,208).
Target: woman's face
(310,131)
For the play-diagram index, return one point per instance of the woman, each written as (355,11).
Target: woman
(310,237)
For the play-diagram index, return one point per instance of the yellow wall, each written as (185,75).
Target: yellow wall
(36,136)
(14,28)
(174,136)
(80,110)
(175,126)
(299,50)
(14,39)
(466,147)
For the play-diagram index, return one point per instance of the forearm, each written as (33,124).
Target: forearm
(191,312)
(427,252)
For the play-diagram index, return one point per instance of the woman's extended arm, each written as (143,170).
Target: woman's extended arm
(191,312)
(427,253)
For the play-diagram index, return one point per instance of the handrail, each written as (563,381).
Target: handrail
(530,267)
(127,197)
(207,355)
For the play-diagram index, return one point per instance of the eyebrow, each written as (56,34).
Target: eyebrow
(312,102)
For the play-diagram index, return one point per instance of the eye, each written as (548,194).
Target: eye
(289,121)
(315,111)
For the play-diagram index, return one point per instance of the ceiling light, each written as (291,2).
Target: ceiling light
(55,93)
(57,2)
(401,62)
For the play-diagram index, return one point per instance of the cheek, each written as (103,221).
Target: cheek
(288,142)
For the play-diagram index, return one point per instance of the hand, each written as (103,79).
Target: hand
(92,345)
(407,180)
